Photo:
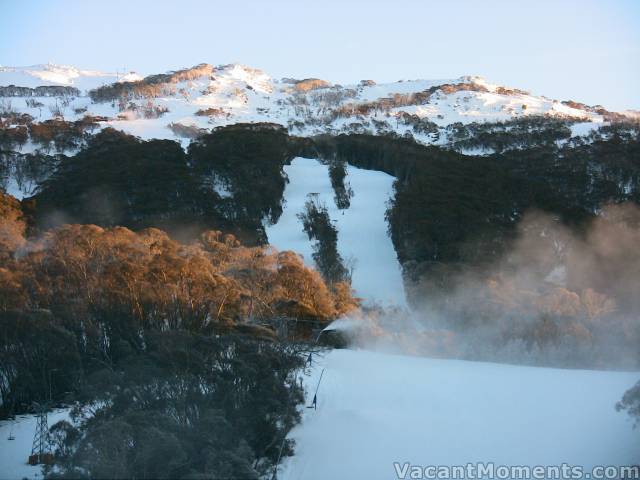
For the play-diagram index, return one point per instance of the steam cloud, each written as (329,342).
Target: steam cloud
(566,297)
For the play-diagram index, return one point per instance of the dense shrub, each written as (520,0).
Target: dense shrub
(11,137)
(62,134)
(89,276)
(188,406)
(98,288)
(518,133)
(120,180)
(451,208)
(249,160)
(137,330)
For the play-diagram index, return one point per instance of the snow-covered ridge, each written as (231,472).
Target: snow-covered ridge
(207,96)
(64,75)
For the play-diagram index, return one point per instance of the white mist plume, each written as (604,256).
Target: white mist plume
(561,296)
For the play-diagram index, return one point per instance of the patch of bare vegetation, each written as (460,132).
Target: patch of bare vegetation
(510,91)
(153,86)
(186,131)
(212,112)
(385,104)
(62,134)
(597,109)
(310,84)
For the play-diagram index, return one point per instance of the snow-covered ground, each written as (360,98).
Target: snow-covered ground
(375,409)
(18,189)
(585,128)
(14,453)
(362,228)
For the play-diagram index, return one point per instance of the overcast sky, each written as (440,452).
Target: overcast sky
(582,50)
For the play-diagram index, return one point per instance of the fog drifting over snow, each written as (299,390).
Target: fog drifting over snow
(562,297)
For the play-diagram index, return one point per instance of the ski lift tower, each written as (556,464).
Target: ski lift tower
(41,447)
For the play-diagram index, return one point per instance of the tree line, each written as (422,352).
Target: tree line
(94,286)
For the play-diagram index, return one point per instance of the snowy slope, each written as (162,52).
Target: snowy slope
(375,409)
(238,94)
(14,453)
(362,228)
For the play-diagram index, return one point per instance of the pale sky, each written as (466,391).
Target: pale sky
(585,50)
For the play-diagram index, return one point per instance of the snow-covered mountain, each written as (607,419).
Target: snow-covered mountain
(180,104)
(373,408)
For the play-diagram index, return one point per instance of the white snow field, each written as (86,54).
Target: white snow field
(375,409)
(14,453)
(362,228)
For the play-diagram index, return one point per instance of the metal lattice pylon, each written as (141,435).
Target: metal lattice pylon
(41,442)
